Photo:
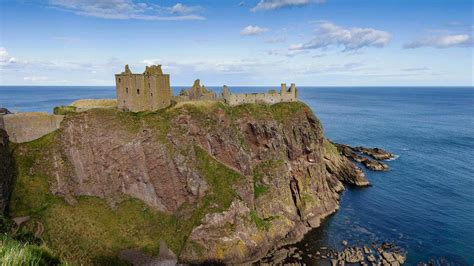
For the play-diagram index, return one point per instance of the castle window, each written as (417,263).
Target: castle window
(126,90)
(138,91)
(119,80)
(151,94)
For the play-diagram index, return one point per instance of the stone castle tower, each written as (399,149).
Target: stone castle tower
(149,91)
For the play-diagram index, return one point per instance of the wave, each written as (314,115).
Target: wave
(394,157)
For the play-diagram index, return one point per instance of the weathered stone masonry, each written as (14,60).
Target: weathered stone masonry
(25,127)
(196,93)
(270,97)
(149,91)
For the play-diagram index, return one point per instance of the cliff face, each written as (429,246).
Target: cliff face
(215,183)
(6,171)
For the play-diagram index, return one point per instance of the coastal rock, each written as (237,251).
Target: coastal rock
(341,167)
(371,164)
(376,153)
(4,111)
(389,254)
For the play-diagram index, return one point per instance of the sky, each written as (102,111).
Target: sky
(239,43)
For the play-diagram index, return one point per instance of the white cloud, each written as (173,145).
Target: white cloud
(277,4)
(183,9)
(126,9)
(5,58)
(446,41)
(253,30)
(328,34)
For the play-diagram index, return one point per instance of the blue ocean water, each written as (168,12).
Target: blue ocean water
(425,203)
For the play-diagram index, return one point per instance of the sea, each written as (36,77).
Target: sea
(424,203)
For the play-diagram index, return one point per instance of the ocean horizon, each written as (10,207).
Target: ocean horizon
(424,204)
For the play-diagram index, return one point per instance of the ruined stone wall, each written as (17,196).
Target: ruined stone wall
(149,91)
(195,93)
(266,98)
(25,127)
(206,97)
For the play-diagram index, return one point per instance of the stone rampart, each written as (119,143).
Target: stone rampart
(25,127)
(270,97)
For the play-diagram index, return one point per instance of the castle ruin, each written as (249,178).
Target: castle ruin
(149,91)
(195,93)
(270,97)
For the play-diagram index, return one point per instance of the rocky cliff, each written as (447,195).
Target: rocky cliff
(209,181)
(6,171)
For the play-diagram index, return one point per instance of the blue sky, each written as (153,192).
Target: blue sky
(250,42)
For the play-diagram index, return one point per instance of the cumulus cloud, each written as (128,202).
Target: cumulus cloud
(328,34)
(253,30)
(126,9)
(5,58)
(446,41)
(277,4)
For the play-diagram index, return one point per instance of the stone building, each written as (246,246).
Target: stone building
(196,93)
(149,91)
(271,97)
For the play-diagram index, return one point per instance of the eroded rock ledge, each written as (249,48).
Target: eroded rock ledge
(375,164)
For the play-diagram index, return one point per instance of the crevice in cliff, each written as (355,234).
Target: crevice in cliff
(7,171)
(295,195)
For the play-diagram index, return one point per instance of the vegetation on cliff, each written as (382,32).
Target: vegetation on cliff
(188,176)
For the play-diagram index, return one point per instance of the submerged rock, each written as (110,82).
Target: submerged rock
(389,254)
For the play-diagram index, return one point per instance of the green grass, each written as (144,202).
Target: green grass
(14,253)
(329,148)
(64,110)
(261,224)
(259,171)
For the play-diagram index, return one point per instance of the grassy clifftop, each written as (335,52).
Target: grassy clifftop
(91,229)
